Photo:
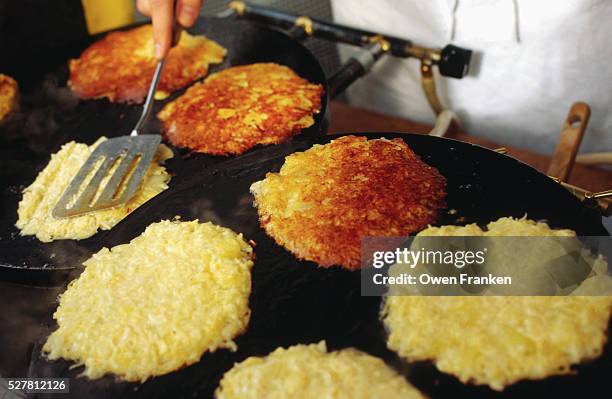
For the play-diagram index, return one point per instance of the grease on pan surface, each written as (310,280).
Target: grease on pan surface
(121,65)
(35,208)
(325,199)
(9,97)
(241,107)
(156,304)
(309,371)
(498,340)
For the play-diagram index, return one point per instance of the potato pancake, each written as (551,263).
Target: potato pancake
(9,97)
(324,200)
(154,305)
(35,208)
(495,340)
(121,65)
(309,371)
(238,108)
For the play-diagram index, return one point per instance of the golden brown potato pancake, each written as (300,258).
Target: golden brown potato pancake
(241,107)
(120,66)
(309,371)
(149,307)
(326,199)
(9,97)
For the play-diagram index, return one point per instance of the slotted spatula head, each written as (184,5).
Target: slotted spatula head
(122,161)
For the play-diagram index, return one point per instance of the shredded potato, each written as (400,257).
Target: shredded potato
(496,340)
(9,97)
(309,371)
(120,66)
(324,200)
(240,107)
(156,304)
(35,208)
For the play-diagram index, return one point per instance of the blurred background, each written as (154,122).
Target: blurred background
(531,61)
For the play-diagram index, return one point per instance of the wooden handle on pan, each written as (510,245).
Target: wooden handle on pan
(571,136)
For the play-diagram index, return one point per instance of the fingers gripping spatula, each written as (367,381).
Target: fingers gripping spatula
(114,170)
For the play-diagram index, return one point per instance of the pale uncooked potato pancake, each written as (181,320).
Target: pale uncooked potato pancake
(241,107)
(35,208)
(149,307)
(495,340)
(323,201)
(9,97)
(310,371)
(120,66)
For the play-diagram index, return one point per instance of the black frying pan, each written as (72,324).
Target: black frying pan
(295,302)
(52,116)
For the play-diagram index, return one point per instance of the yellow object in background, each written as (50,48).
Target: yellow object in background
(103,15)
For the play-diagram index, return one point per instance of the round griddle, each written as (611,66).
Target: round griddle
(294,301)
(51,116)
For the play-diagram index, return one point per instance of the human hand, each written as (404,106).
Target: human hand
(162,16)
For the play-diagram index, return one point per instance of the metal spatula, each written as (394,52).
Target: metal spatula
(127,157)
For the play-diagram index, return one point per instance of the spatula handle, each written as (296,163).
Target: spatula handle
(148,104)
